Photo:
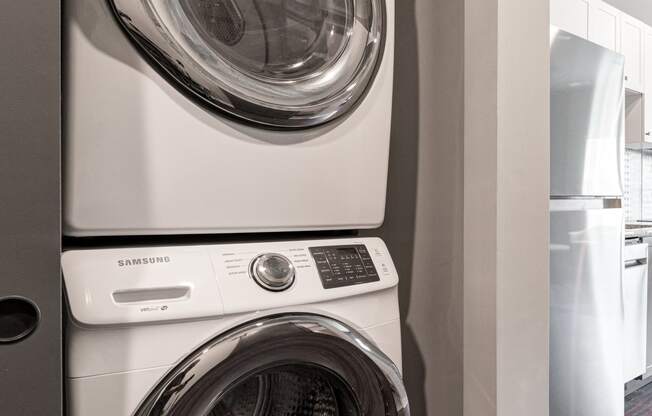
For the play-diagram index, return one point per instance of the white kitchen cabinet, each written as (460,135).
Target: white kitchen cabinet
(604,25)
(594,20)
(647,105)
(638,107)
(632,47)
(648,355)
(571,16)
(635,293)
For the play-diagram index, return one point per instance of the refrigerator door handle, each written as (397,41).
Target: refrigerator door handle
(585,203)
(635,263)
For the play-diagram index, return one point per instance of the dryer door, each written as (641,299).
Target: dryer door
(283,365)
(279,63)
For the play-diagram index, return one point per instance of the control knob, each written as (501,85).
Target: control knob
(272,271)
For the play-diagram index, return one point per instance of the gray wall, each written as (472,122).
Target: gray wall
(423,226)
(640,9)
(30,371)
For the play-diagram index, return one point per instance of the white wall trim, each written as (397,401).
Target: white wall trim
(506,216)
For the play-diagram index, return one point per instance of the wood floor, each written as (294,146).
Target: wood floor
(639,403)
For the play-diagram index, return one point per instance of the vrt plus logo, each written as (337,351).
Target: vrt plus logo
(154,308)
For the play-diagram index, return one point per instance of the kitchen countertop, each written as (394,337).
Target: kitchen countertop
(645,231)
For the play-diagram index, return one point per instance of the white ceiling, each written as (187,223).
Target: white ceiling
(641,9)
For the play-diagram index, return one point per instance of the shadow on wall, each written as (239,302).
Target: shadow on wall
(424,216)
(398,230)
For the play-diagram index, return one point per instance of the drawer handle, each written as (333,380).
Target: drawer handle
(635,263)
(155,294)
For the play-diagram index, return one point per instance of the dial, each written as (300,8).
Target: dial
(272,271)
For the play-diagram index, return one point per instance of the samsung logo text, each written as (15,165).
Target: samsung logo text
(143,261)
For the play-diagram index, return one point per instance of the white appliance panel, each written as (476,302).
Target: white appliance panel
(140,158)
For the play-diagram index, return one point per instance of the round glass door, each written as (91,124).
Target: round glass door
(279,63)
(304,365)
(290,389)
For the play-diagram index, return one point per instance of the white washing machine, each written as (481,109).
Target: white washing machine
(259,329)
(226,116)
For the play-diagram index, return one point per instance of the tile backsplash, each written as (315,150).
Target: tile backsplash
(637,200)
(633,185)
(646,188)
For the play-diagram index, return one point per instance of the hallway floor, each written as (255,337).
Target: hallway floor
(639,403)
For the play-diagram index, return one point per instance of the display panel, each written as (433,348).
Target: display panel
(340,266)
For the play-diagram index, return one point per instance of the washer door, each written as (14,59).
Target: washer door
(280,63)
(285,365)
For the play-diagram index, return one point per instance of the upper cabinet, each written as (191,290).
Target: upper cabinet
(604,25)
(647,97)
(571,16)
(594,20)
(631,46)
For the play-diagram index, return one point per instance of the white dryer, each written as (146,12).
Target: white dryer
(226,116)
(259,329)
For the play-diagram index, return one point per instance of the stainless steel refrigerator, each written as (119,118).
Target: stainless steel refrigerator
(586,228)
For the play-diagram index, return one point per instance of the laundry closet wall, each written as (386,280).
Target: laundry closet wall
(30,370)
(424,218)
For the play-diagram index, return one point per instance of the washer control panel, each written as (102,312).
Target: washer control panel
(345,265)
(151,284)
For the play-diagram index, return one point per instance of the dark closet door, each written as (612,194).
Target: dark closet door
(30,288)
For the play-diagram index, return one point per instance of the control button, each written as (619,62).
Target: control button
(272,271)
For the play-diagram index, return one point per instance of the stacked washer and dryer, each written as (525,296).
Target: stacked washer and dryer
(229,117)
